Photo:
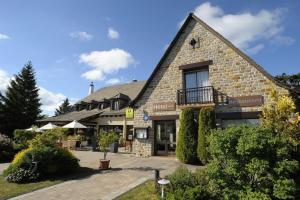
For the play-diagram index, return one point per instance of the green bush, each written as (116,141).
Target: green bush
(250,163)
(22,137)
(186,149)
(23,176)
(7,151)
(186,185)
(50,161)
(206,124)
(49,138)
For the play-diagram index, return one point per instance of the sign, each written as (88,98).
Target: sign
(164,106)
(129,113)
(246,101)
(141,133)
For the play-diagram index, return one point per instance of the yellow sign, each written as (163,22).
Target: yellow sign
(129,113)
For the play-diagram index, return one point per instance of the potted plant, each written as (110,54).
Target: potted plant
(105,140)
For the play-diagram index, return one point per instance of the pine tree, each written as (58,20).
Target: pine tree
(21,103)
(186,149)
(63,108)
(206,123)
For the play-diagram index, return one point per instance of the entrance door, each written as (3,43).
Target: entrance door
(165,137)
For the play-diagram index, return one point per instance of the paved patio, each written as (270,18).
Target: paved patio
(127,172)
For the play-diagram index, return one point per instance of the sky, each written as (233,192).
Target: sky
(74,42)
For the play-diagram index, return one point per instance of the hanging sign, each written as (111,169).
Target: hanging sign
(255,100)
(129,113)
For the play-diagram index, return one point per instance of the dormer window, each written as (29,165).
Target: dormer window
(116,105)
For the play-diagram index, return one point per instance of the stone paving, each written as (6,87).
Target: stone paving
(127,172)
(3,166)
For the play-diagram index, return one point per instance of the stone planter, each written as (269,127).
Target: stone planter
(104,164)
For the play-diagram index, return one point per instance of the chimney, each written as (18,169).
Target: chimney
(91,89)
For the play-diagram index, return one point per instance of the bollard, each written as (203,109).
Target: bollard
(156,177)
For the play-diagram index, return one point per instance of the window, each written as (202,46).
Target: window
(196,90)
(116,105)
(196,79)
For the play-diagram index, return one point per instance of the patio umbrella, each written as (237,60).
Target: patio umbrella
(74,124)
(48,126)
(34,129)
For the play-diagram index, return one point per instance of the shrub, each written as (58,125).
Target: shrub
(49,138)
(186,150)
(23,176)
(22,137)
(206,123)
(186,185)
(50,161)
(250,162)
(6,149)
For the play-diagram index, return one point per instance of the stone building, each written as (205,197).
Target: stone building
(103,109)
(200,68)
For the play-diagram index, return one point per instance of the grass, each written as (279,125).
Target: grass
(145,191)
(8,190)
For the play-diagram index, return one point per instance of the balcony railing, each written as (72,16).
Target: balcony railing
(200,95)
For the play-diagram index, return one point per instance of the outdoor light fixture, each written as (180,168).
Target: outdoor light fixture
(193,43)
(163,183)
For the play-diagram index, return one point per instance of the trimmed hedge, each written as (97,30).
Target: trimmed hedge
(186,150)
(206,124)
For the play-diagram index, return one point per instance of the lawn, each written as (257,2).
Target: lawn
(145,191)
(8,190)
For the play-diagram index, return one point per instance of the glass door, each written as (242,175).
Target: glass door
(165,137)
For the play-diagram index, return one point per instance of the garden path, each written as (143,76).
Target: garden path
(127,172)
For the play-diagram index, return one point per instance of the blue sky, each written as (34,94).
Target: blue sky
(71,43)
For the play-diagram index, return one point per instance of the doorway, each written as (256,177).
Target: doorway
(165,137)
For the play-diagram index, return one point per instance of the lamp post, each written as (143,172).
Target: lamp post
(163,183)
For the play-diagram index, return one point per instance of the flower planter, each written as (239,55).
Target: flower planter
(104,164)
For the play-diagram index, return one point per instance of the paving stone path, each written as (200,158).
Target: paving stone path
(127,172)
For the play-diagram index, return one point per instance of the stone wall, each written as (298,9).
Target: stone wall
(230,74)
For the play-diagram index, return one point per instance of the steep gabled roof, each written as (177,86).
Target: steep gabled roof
(130,90)
(223,39)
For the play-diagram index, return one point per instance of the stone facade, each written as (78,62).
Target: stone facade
(230,73)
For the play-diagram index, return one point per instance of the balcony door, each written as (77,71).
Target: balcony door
(195,87)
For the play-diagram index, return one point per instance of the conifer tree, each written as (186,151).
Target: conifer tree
(63,108)
(186,149)
(206,123)
(21,103)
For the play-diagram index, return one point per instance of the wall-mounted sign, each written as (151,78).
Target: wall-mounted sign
(245,101)
(141,133)
(164,106)
(129,113)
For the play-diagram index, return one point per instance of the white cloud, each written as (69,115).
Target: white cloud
(105,62)
(283,40)
(113,81)
(50,100)
(4,37)
(255,49)
(112,33)
(81,35)
(243,29)
(4,80)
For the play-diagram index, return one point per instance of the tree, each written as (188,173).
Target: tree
(251,163)
(186,150)
(21,103)
(206,124)
(292,82)
(281,117)
(63,108)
